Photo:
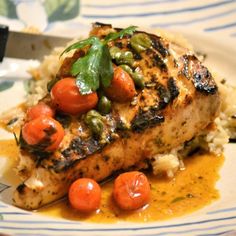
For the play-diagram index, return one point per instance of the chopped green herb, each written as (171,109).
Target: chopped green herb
(81,44)
(106,68)
(177,199)
(12,121)
(95,67)
(87,69)
(16,139)
(113,36)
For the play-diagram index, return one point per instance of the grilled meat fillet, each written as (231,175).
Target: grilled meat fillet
(179,101)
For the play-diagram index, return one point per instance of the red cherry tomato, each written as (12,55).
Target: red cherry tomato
(131,190)
(85,195)
(43,131)
(41,109)
(66,96)
(122,88)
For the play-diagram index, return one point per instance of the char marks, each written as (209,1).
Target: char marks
(158,45)
(178,100)
(200,76)
(146,119)
(174,91)
(160,91)
(77,150)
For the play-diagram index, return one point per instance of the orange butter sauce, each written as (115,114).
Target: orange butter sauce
(190,190)
(10,153)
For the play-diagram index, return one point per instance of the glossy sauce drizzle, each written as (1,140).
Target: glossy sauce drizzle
(9,155)
(191,189)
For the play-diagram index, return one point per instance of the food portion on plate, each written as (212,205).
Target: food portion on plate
(121,100)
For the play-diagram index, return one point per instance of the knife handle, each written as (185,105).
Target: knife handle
(4,30)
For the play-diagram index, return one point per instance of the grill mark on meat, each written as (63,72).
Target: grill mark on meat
(84,147)
(172,87)
(78,149)
(150,126)
(118,44)
(146,119)
(164,95)
(21,188)
(185,67)
(202,79)
(38,150)
(156,44)
(64,119)
(137,56)
(156,60)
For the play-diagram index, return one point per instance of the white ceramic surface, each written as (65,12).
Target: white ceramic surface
(210,26)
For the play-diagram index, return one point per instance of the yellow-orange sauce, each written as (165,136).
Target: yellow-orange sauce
(190,190)
(12,119)
(9,155)
(9,151)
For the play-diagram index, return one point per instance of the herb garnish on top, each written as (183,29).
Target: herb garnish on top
(95,67)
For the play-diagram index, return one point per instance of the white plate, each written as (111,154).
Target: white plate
(217,218)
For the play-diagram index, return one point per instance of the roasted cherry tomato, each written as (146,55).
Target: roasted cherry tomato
(66,96)
(85,195)
(131,190)
(45,132)
(122,88)
(41,109)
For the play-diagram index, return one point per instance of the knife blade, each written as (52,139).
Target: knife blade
(27,45)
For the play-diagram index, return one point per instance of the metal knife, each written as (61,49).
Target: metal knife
(26,45)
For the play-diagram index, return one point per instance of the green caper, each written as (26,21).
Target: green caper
(138,79)
(125,58)
(104,105)
(136,76)
(90,115)
(127,69)
(96,126)
(140,42)
(121,57)
(114,52)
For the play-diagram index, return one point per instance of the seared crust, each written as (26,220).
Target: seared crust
(179,101)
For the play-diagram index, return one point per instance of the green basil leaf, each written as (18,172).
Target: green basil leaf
(96,66)
(106,68)
(87,70)
(84,81)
